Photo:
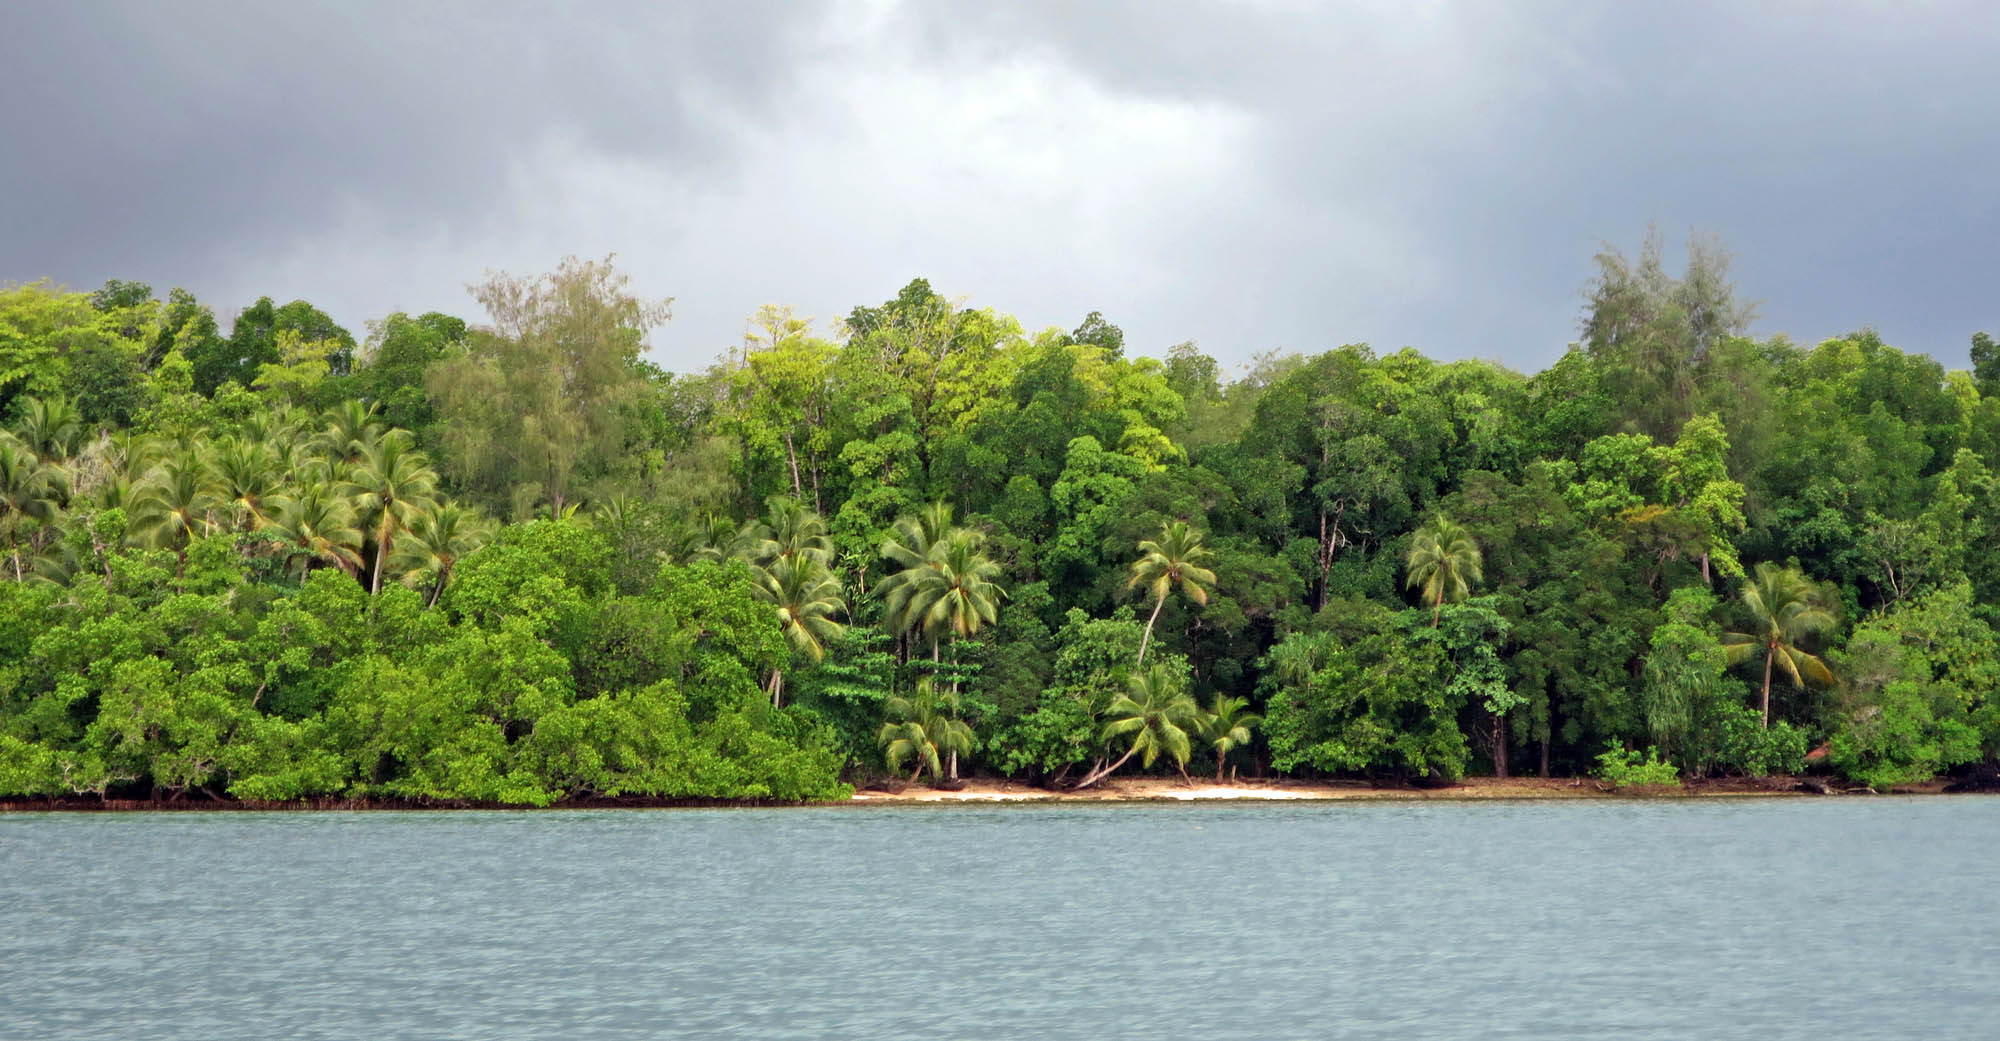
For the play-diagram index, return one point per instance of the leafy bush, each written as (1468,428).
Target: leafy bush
(1628,768)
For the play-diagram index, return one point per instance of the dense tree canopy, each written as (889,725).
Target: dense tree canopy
(505,559)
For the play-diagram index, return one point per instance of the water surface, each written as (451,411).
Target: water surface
(1849,918)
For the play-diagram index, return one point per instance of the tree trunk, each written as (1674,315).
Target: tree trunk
(1770,652)
(1220,758)
(381,556)
(1101,773)
(1437,611)
(792,456)
(1499,745)
(777,688)
(1154,617)
(1704,569)
(1545,757)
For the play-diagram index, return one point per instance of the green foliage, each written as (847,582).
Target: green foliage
(1625,769)
(1381,703)
(267,565)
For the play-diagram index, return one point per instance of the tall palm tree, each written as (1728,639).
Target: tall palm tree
(1784,609)
(391,484)
(724,539)
(247,479)
(437,540)
(1443,562)
(1173,559)
(1157,711)
(52,428)
(1226,727)
(30,492)
(921,726)
(318,526)
(177,501)
(806,596)
(955,592)
(791,531)
(348,430)
(909,548)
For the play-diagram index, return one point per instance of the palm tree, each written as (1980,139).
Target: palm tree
(1174,559)
(1157,711)
(922,725)
(29,493)
(438,539)
(318,525)
(1443,562)
(909,548)
(791,531)
(955,592)
(807,597)
(1226,727)
(247,479)
(392,484)
(52,428)
(1784,609)
(349,430)
(177,501)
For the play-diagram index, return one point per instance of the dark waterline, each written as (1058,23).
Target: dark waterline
(1686,919)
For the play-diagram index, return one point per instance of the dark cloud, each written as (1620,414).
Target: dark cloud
(1248,175)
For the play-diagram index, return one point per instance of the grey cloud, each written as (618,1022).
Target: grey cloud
(170,137)
(1435,176)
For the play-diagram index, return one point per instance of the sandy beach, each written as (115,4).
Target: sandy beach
(1160,789)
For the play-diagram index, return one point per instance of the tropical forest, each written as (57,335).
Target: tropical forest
(503,558)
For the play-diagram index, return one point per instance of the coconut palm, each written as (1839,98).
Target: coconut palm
(247,479)
(30,492)
(317,525)
(348,430)
(1226,727)
(391,484)
(438,538)
(1443,562)
(1157,711)
(955,592)
(806,596)
(922,726)
(51,427)
(791,531)
(1173,559)
(177,501)
(724,539)
(1784,609)
(908,547)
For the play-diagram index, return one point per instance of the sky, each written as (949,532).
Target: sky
(1254,176)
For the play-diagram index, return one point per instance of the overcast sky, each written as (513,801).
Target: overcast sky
(1250,176)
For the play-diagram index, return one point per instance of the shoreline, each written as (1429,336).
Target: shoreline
(987,792)
(1472,789)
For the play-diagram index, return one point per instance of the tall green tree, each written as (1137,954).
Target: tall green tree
(807,598)
(1158,715)
(1170,561)
(1784,609)
(1226,725)
(923,727)
(535,409)
(1443,562)
(29,494)
(393,484)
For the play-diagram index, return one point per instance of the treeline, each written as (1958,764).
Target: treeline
(514,562)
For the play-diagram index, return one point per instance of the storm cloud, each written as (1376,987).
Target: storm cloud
(1249,176)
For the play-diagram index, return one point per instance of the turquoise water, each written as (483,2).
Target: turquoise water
(1847,918)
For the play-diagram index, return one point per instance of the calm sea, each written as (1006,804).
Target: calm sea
(1847,918)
